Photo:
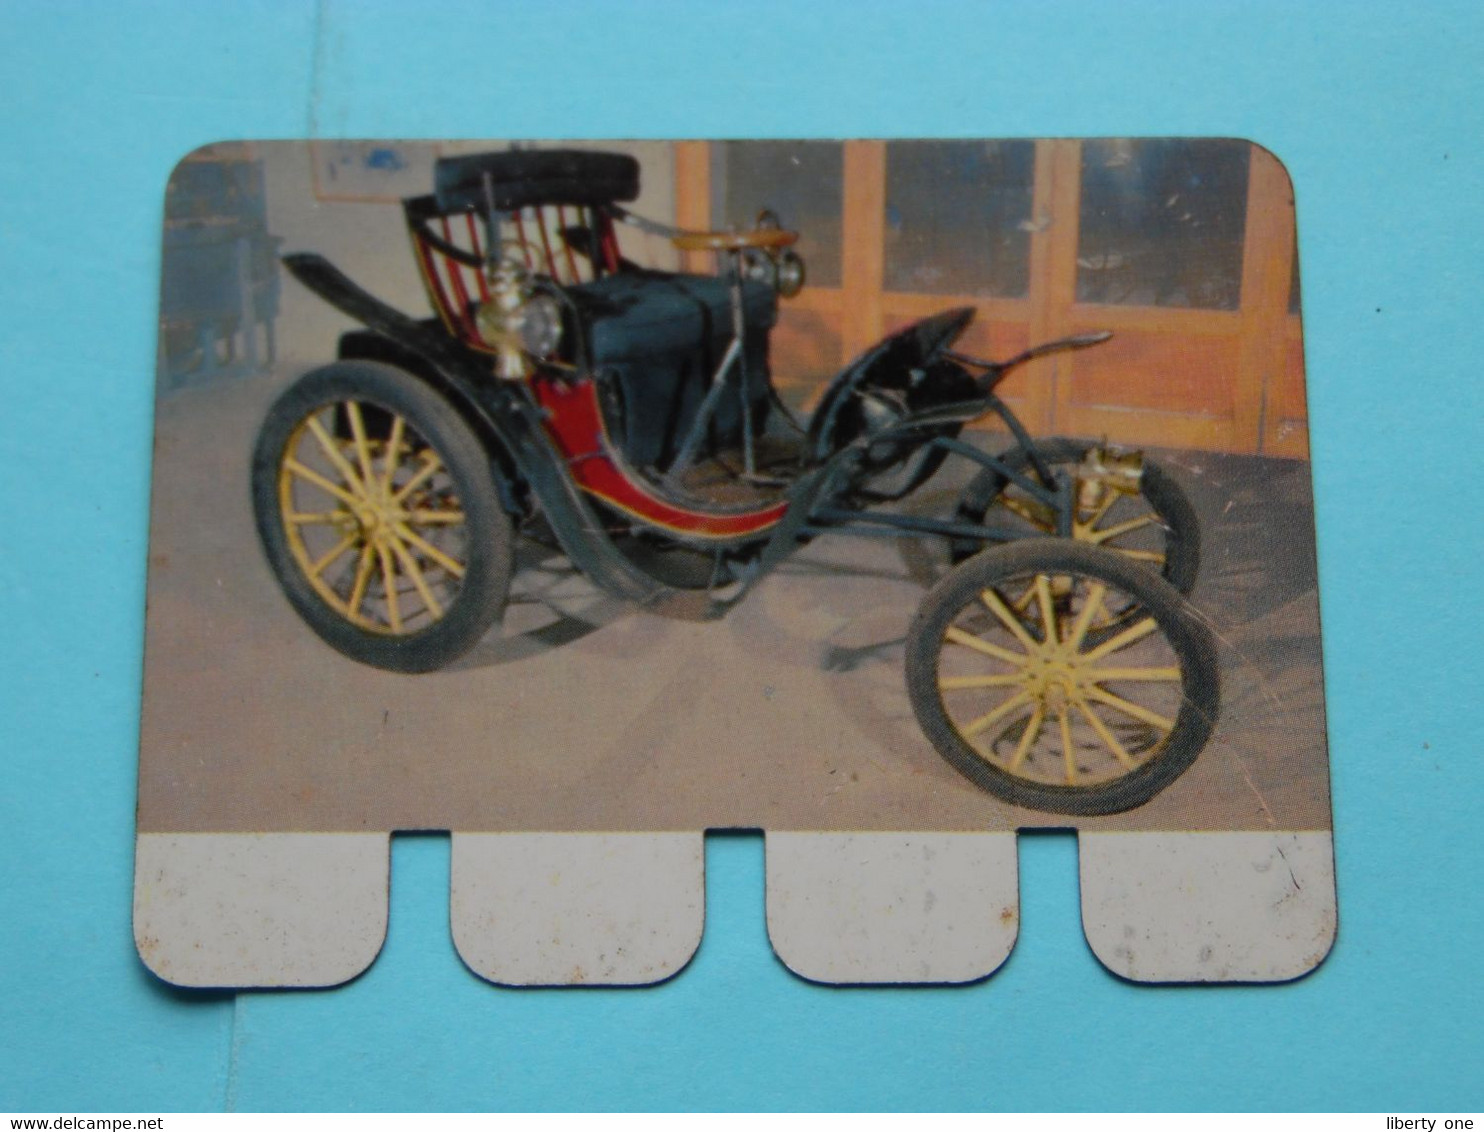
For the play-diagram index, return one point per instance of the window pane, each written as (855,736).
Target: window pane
(799,180)
(958,217)
(1161,223)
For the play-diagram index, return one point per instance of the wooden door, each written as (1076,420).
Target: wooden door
(1184,248)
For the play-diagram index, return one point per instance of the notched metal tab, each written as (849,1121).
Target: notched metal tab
(260,909)
(1254,907)
(892,907)
(574,909)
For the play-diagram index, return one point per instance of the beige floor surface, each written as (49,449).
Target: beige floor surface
(586,714)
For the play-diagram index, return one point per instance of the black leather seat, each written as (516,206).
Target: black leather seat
(661,336)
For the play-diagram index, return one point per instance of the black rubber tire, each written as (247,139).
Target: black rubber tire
(1187,637)
(489,545)
(1165,497)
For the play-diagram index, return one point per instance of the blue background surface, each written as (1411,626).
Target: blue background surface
(1377,111)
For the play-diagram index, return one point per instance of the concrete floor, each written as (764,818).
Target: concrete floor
(583,713)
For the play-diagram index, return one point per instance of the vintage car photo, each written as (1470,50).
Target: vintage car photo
(674,485)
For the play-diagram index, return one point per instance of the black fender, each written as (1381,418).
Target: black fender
(374,346)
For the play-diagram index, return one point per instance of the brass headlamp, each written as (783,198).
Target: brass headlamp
(781,270)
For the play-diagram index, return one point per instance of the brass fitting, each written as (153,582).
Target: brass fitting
(1107,469)
(501,320)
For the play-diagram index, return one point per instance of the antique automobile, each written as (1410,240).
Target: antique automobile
(627,416)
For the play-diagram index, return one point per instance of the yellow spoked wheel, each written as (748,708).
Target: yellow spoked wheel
(1146,519)
(380,517)
(1034,706)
